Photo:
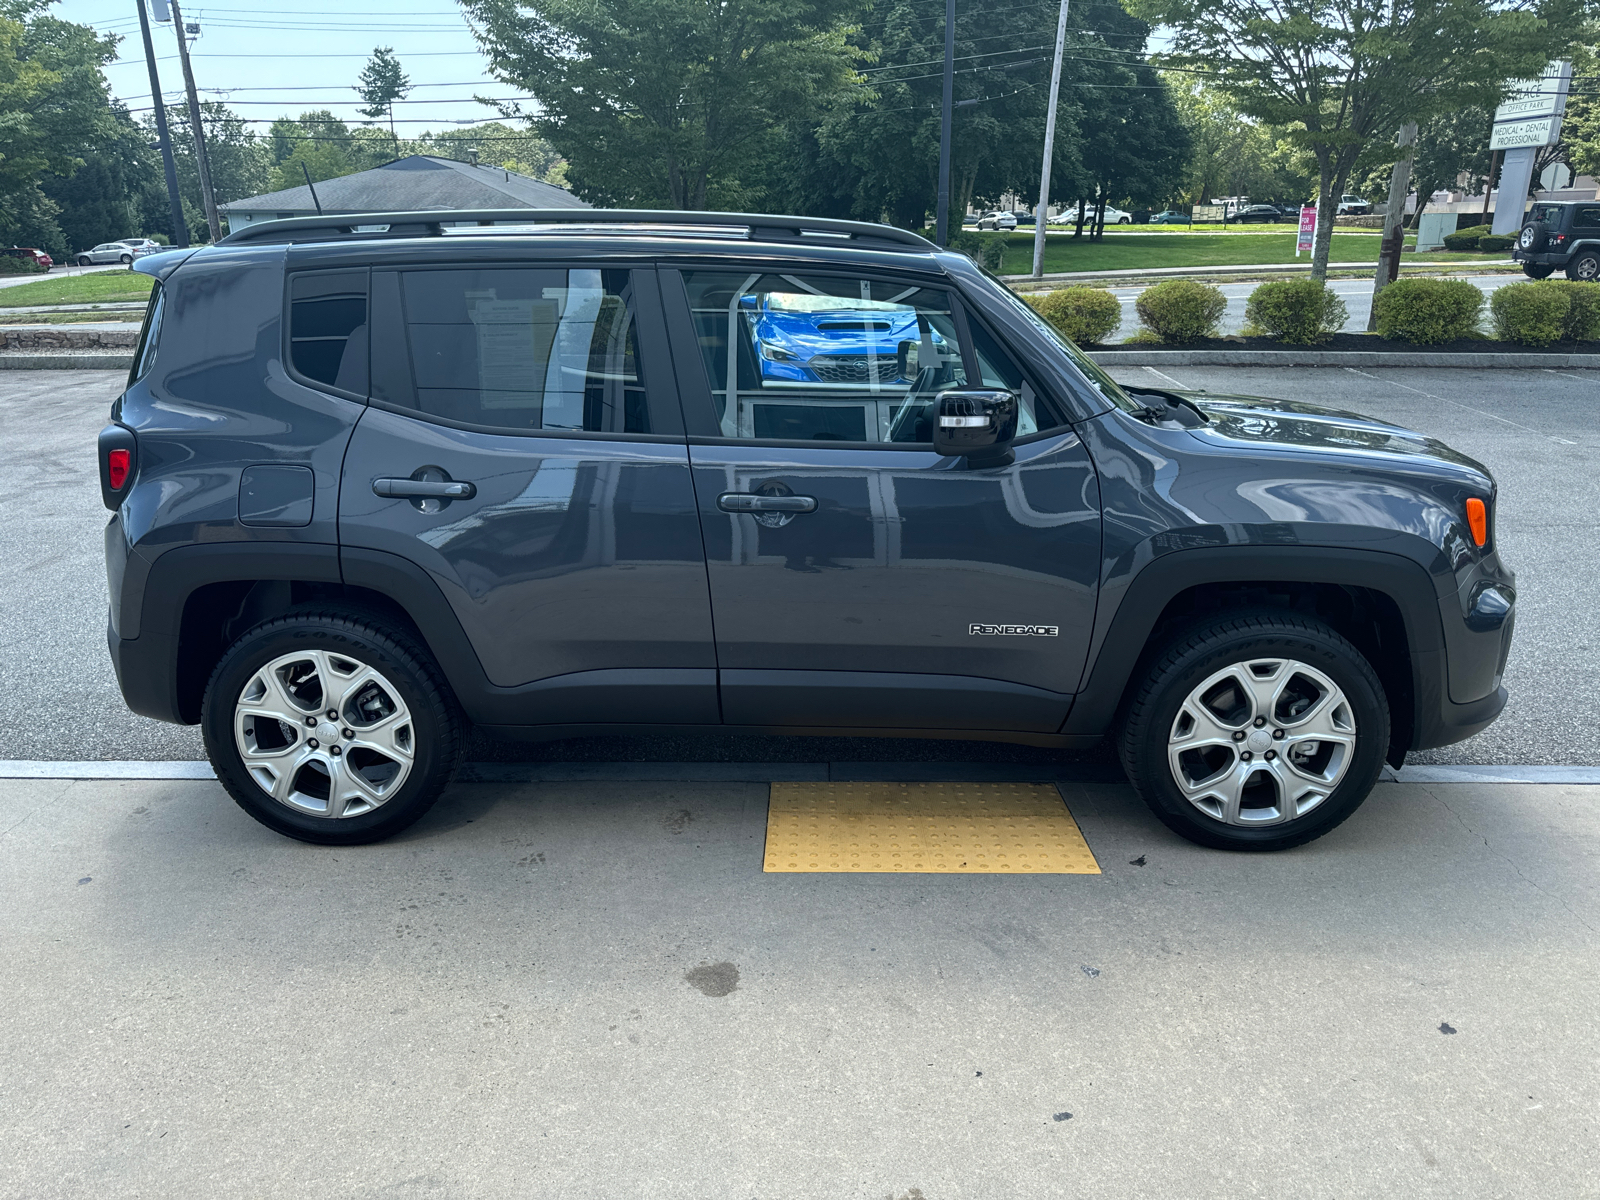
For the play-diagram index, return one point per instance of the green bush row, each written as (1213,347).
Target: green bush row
(1303,312)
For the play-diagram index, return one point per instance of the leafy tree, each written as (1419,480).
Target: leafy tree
(676,102)
(1340,74)
(1139,146)
(1232,155)
(382,83)
(105,198)
(238,159)
(1450,146)
(55,110)
(498,145)
(324,145)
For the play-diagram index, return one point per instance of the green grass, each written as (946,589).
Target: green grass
(98,288)
(1131,251)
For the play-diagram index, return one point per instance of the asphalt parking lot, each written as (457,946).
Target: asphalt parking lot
(591,988)
(1538,431)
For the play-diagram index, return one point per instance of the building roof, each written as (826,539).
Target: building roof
(416,183)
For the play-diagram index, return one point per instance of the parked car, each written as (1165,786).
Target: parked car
(844,342)
(144,245)
(998,220)
(1170,217)
(29,254)
(108,252)
(1353,206)
(1115,216)
(1565,236)
(327,555)
(1024,218)
(1269,213)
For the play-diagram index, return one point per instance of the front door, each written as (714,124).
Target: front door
(525,448)
(858,579)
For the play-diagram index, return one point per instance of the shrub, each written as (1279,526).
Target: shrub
(1541,314)
(989,251)
(1181,310)
(1530,313)
(1086,315)
(1493,241)
(1299,311)
(19,266)
(1428,311)
(1465,239)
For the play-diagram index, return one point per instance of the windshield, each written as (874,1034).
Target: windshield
(1091,370)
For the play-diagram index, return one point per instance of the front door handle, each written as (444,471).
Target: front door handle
(749,502)
(423,489)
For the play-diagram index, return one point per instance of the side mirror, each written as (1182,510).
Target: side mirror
(907,354)
(978,424)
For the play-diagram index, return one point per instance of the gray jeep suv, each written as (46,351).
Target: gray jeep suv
(557,473)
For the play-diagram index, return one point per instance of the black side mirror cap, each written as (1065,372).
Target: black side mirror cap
(978,424)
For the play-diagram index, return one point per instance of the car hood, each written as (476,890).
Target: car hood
(840,332)
(1285,425)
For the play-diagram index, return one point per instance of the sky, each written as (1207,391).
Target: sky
(292,55)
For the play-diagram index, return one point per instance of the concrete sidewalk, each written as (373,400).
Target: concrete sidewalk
(592,990)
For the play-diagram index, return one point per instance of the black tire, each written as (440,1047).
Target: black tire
(85,261)
(434,737)
(1584,267)
(1537,270)
(126,259)
(1196,654)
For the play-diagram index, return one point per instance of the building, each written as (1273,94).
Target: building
(416,183)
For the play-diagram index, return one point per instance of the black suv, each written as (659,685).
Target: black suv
(1560,235)
(558,473)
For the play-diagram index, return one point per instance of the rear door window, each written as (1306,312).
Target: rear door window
(511,348)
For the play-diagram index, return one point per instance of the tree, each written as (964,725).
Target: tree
(238,160)
(55,109)
(1232,155)
(1339,74)
(382,83)
(324,145)
(1451,146)
(668,102)
(498,145)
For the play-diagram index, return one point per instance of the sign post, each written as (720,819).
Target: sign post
(1308,230)
(1529,119)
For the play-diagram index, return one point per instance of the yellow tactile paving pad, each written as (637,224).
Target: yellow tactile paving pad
(942,828)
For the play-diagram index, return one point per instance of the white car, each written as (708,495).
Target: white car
(143,245)
(998,220)
(109,252)
(1115,216)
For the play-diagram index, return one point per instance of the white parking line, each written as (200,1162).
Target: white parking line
(1468,407)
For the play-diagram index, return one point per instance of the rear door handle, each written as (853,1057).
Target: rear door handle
(423,489)
(749,502)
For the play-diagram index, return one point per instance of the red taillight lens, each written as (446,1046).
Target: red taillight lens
(118,461)
(1477,521)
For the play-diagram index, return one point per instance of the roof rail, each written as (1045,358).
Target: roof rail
(759,227)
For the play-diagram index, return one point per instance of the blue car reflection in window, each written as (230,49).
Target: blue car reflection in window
(815,339)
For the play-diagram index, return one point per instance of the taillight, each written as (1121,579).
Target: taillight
(119,459)
(117,464)
(1478,521)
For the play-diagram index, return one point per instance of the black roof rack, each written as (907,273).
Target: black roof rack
(759,227)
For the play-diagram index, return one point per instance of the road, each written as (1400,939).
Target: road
(55,272)
(1356,293)
(1539,432)
(592,991)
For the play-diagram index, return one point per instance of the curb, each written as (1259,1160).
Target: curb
(757,772)
(66,362)
(1339,358)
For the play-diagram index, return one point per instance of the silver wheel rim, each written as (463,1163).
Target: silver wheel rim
(1588,267)
(1261,742)
(324,734)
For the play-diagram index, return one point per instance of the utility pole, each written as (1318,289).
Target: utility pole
(1049,146)
(1393,242)
(207,198)
(942,230)
(180,230)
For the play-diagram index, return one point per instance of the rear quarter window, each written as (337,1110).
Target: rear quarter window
(328,329)
(149,335)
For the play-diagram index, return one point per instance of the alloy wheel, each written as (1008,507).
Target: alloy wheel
(324,734)
(1261,742)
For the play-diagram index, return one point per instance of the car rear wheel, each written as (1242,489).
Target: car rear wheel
(1537,270)
(1584,267)
(1256,732)
(84,260)
(330,727)
(126,258)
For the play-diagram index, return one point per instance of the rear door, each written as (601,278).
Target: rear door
(858,579)
(524,447)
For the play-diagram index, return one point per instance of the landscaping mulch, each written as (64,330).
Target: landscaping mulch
(1363,341)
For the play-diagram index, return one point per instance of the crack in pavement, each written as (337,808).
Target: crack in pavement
(1508,861)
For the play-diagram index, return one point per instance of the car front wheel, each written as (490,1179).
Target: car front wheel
(1585,267)
(330,728)
(1256,732)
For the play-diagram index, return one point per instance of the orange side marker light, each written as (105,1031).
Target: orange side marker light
(1478,521)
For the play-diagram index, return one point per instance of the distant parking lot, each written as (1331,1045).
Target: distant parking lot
(1539,431)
